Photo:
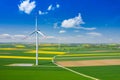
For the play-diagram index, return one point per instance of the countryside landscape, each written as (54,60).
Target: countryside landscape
(60,40)
(25,54)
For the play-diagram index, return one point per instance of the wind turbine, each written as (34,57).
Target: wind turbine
(36,32)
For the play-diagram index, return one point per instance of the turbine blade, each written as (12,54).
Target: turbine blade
(41,34)
(29,34)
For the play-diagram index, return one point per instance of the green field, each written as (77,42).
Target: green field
(101,72)
(36,73)
(11,53)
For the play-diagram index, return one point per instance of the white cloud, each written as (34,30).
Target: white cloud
(5,36)
(27,6)
(94,34)
(73,22)
(62,31)
(57,5)
(50,7)
(8,36)
(42,13)
(19,36)
(84,28)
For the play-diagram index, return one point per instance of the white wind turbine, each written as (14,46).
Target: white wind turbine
(37,31)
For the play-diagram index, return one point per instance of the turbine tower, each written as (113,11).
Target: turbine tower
(36,32)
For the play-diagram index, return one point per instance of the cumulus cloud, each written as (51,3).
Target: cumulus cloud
(62,31)
(76,23)
(51,7)
(27,6)
(94,34)
(73,22)
(42,13)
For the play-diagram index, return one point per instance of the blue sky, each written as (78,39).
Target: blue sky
(70,21)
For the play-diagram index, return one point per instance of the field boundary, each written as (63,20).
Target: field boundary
(89,57)
(84,75)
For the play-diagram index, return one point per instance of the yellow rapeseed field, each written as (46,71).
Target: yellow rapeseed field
(48,44)
(47,48)
(8,48)
(19,46)
(46,52)
(23,57)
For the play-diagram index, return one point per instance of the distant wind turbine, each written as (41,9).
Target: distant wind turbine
(37,31)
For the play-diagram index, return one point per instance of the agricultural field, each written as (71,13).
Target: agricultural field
(99,62)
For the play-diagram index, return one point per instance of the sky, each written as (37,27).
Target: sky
(64,21)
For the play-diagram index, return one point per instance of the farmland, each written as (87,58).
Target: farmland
(11,53)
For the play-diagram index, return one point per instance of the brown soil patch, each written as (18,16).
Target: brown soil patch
(89,63)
